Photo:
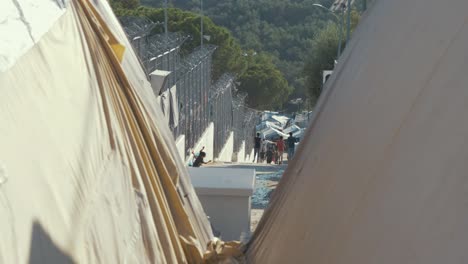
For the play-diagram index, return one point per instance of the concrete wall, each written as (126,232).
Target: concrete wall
(225,194)
(180,144)
(228,149)
(244,155)
(249,157)
(206,140)
(241,153)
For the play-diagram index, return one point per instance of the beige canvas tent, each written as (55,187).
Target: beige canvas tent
(87,173)
(381,176)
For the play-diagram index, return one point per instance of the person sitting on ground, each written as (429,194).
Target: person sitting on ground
(198,153)
(199,160)
(195,155)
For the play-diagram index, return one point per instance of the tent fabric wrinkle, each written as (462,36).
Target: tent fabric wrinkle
(104,183)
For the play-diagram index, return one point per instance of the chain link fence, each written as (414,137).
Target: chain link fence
(245,121)
(199,101)
(221,111)
(229,113)
(193,86)
(156,51)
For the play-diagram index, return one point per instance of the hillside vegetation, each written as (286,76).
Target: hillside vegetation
(285,36)
(283,29)
(270,90)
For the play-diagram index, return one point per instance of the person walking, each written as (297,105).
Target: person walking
(263,150)
(258,143)
(291,145)
(281,146)
(269,153)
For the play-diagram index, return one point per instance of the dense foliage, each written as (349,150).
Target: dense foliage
(282,28)
(127,4)
(322,56)
(263,82)
(229,57)
(299,39)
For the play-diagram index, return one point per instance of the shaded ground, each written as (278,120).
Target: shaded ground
(255,216)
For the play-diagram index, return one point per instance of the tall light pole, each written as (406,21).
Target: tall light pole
(165,20)
(342,8)
(348,26)
(201,23)
(340,23)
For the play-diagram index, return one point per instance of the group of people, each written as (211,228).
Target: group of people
(264,150)
(273,151)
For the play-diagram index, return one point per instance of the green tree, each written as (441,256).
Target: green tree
(258,76)
(128,4)
(264,83)
(322,56)
(228,56)
(281,28)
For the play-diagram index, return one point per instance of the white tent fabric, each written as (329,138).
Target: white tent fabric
(283,120)
(22,24)
(381,176)
(293,128)
(174,107)
(87,174)
(135,74)
(165,101)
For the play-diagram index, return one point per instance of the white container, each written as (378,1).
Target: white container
(225,194)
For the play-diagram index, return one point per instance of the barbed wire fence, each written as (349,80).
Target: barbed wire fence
(221,111)
(230,114)
(199,101)
(245,121)
(193,86)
